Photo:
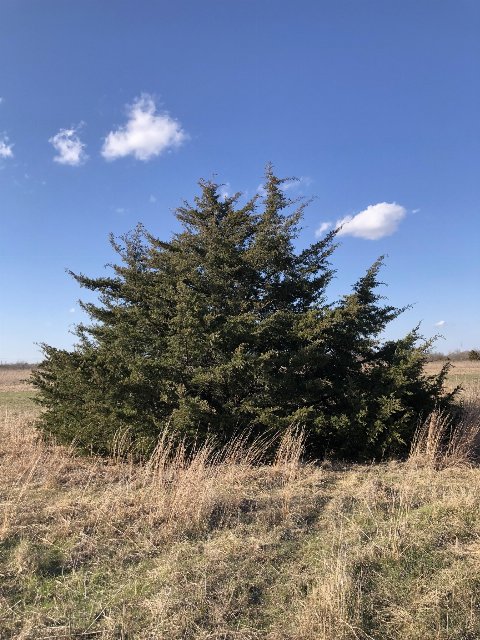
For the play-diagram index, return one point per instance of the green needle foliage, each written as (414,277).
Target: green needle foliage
(225,329)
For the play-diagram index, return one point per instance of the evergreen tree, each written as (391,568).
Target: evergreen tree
(226,328)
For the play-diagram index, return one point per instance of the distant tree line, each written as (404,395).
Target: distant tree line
(17,365)
(226,329)
(454,356)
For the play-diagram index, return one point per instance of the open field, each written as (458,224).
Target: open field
(465,373)
(187,549)
(15,392)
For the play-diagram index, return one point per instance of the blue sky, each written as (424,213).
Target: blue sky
(111,111)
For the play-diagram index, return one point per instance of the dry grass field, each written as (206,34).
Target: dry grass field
(217,546)
(465,373)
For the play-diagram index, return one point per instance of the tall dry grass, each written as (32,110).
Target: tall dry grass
(62,516)
(213,544)
(443,440)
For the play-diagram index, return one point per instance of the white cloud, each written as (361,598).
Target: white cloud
(71,310)
(325,226)
(1,99)
(415,210)
(146,135)
(374,222)
(5,148)
(440,323)
(70,149)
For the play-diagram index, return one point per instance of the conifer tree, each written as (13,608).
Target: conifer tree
(226,329)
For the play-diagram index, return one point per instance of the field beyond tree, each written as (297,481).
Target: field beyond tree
(219,546)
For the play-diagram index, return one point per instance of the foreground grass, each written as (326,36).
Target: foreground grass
(223,548)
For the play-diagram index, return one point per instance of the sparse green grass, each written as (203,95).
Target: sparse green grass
(188,549)
(17,400)
(15,392)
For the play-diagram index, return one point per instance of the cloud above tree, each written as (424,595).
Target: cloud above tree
(374,222)
(70,149)
(146,134)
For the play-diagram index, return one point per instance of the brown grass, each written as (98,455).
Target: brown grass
(14,379)
(441,443)
(213,545)
(463,372)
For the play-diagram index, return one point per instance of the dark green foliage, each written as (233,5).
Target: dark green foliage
(226,328)
(474,355)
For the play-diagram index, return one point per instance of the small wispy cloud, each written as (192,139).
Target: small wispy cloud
(152,199)
(70,149)
(147,133)
(261,190)
(415,210)
(1,99)
(440,323)
(290,185)
(324,227)
(374,222)
(225,190)
(6,150)
(71,310)
(120,210)
(303,181)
